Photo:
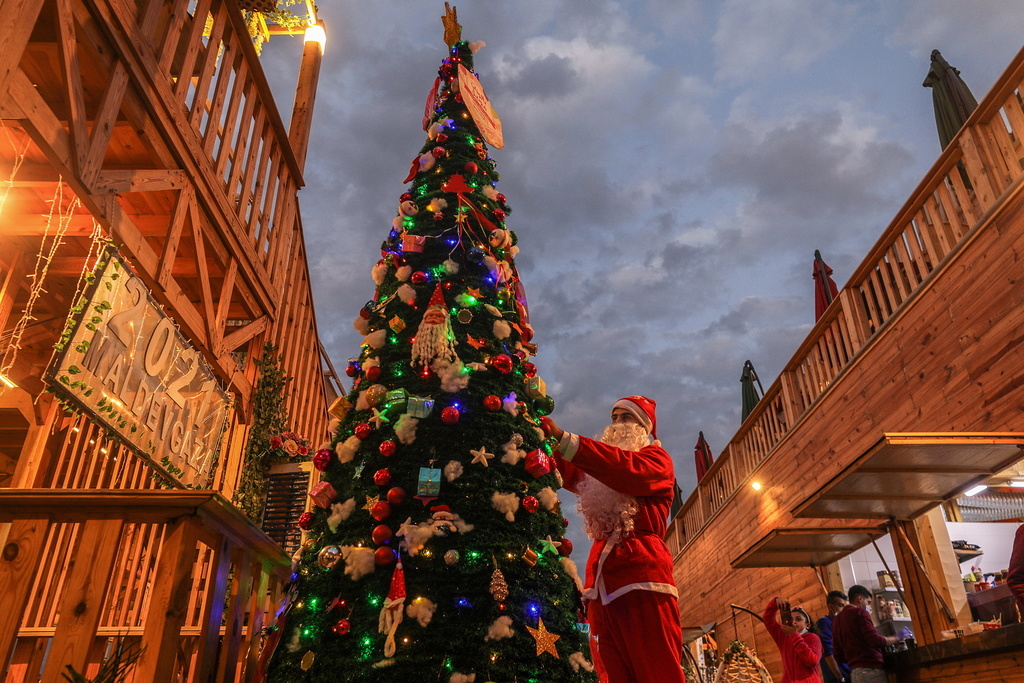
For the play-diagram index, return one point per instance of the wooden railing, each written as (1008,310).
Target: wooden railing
(982,164)
(184,574)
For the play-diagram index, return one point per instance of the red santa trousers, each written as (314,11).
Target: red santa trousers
(639,639)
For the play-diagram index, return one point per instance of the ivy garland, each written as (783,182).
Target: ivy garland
(268,420)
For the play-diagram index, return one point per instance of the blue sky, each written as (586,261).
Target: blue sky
(672,165)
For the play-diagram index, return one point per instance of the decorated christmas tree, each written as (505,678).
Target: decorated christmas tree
(435,548)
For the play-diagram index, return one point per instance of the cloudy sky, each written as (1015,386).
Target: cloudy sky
(671,164)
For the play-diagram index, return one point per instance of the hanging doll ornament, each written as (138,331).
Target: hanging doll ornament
(393,611)
(434,337)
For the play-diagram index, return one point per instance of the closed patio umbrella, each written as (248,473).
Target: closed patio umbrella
(702,456)
(750,383)
(951,97)
(825,290)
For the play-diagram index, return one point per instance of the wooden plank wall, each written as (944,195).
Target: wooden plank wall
(924,337)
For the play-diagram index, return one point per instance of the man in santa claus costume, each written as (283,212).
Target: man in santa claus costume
(625,483)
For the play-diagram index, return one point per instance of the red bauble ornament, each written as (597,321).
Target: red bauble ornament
(470,167)
(363,430)
(458,96)
(396,495)
(373,374)
(305,521)
(381,534)
(531,504)
(529,370)
(441,138)
(450,415)
(565,549)
(383,556)
(500,198)
(387,448)
(565,522)
(342,627)
(492,403)
(382,477)
(419,277)
(438,152)
(499,214)
(406,196)
(322,459)
(380,510)
(351,370)
(501,363)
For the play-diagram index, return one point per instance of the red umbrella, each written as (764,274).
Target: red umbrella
(703,457)
(825,290)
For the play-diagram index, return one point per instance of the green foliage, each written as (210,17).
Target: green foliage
(335,621)
(281,16)
(268,420)
(114,669)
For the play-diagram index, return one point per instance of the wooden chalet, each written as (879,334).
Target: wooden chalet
(145,130)
(907,392)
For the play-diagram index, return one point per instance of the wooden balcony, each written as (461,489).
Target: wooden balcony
(922,345)
(182,573)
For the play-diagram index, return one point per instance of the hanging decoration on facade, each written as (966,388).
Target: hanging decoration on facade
(123,361)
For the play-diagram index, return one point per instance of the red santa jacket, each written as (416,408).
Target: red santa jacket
(639,560)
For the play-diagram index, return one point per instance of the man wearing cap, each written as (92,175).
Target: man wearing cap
(625,483)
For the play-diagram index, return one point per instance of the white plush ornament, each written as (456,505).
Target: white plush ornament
(414,536)
(548,497)
(450,267)
(508,404)
(427,162)
(362,403)
(438,127)
(437,204)
(512,251)
(405,428)
(465,300)
(358,561)
(506,504)
(462,678)
(501,329)
(407,294)
(346,450)
(491,264)
(492,310)
(403,274)
(476,366)
(452,375)
(453,470)
(408,208)
(511,453)
(375,340)
(570,568)
(504,271)
(379,272)
(332,427)
(540,433)
(490,192)
(476,45)
(422,610)
(398,223)
(297,555)
(293,643)
(501,628)
(339,513)
(461,525)
(361,325)
(577,660)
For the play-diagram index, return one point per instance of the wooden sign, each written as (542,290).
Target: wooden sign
(131,370)
(484,116)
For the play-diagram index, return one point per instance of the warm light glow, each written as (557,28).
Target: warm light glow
(316,34)
(756,486)
(7,382)
(975,490)
(1017,484)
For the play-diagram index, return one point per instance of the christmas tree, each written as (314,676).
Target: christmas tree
(435,547)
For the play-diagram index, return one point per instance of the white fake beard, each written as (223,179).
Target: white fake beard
(433,341)
(606,511)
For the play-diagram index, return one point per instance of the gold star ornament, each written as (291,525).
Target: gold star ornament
(452,30)
(544,638)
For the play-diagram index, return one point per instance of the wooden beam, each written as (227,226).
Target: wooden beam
(103,127)
(19,560)
(244,334)
(186,199)
(18,17)
(305,98)
(67,44)
(140,180)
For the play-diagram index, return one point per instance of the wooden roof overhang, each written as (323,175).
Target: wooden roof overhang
(906,474)
(806,547)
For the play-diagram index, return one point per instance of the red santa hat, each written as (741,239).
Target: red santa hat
(642,408)
(437,298)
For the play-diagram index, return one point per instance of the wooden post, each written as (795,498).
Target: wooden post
(305,97)
(19,559)
(168,603)
(928,615)
(940,560)
(213,611)
(81,606)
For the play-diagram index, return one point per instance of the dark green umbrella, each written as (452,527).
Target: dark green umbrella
(750,388)
(951,97)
